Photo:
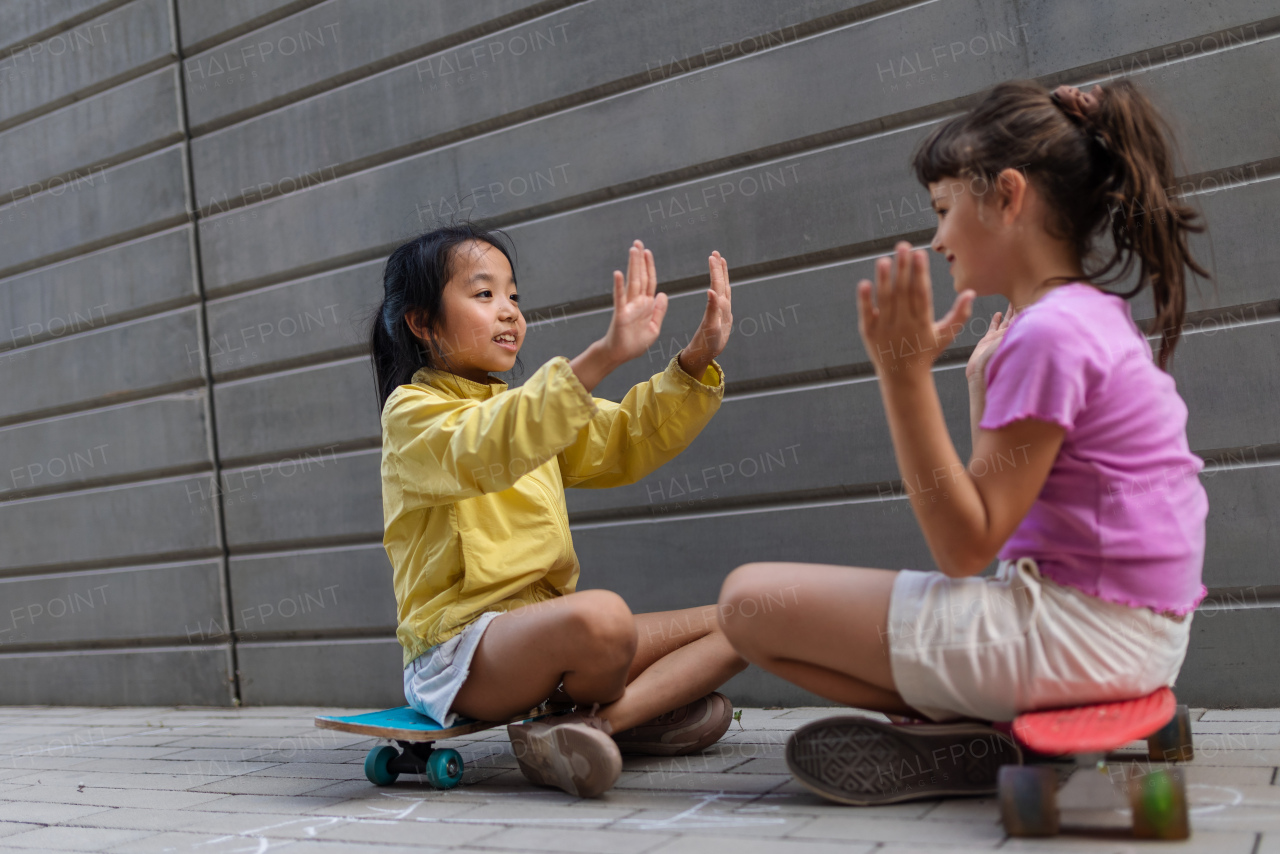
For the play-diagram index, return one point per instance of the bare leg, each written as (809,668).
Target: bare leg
(822,627)
(586,640)
(681,656)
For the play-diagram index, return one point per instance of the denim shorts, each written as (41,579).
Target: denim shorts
(433,679)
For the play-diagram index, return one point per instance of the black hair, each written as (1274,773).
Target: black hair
(414,277)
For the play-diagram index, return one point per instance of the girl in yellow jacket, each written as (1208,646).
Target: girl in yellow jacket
(473,478)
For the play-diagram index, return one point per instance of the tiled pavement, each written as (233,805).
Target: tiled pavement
(264,779)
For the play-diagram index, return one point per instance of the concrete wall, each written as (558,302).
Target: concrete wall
(199,197)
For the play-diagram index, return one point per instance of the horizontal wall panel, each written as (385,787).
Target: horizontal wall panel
(313,591)
(1217,126)
(1242,538)
(350,673)
(86,212)
(105,444)
(681,562)
(171,676)
(1218,372)
(129,358)
(301,319)
(90,54)
(535,63)
(327,41)
(314,496)
(122,119)
(201,21)
(150,273)
(158,520)
(839,93)
(20,20)
(167,602)
(306,408)
(1228,658)
(796,440)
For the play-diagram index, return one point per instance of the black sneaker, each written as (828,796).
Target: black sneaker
(856,760)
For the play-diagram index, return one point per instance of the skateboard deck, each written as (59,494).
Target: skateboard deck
(1096,728)
(404,724)
(415,733)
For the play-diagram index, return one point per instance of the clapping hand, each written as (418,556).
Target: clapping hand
(713,332)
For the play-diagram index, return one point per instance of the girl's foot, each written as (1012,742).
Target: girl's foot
(688,729)
(854,760)
(571,752)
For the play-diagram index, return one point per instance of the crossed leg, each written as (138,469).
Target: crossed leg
(819,626)
(635,666)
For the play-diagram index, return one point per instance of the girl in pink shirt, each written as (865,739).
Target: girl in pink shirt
(1081,481)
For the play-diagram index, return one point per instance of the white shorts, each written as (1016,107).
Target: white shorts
(992,648)
(433,679)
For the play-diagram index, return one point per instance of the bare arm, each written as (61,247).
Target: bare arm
(965,512)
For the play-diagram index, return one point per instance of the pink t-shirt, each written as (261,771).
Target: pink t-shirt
(1121,515)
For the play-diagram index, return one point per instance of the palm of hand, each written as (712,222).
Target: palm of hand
(897,327)
(638,309)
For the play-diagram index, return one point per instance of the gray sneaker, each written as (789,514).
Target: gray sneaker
(572,753)
(856,760)
(688,729)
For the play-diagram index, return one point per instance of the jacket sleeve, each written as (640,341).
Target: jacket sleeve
(442,450)
(656,420)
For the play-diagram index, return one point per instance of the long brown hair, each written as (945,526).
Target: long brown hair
(1103,174)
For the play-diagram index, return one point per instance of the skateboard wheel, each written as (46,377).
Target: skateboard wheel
(1172,742)
(1159,801)
(377,765)
(1028,800)
(444,768)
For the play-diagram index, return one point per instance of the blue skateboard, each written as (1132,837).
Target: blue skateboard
(415,734)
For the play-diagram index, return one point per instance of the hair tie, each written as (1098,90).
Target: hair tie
(1081,108)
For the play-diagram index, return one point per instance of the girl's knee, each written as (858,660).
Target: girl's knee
(741,599)
(604,627)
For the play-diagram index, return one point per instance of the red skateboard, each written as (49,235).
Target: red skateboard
(1157,795)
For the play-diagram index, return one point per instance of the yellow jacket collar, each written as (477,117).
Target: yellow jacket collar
(456,386)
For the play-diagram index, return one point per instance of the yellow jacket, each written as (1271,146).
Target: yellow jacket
(473,479)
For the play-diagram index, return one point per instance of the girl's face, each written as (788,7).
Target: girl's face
(971,234)
(481,329)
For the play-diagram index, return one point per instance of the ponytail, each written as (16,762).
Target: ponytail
(414,278)
(1145,221)
(1102,162)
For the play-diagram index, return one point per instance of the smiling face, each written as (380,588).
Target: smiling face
(971,234)
(481,329)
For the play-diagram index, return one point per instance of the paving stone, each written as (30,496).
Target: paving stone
(255,785)
(738,845)
(585,841)
(65,794)
(73,838)
(696,781)
(10,828)
(46,813)
(1208,842)
(854,827)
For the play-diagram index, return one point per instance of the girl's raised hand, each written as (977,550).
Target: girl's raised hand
(897,327)
(976,369)
(637,307)
(717,321)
